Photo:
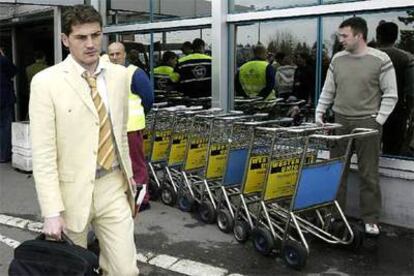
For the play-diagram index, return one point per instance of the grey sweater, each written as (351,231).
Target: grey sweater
(360,85)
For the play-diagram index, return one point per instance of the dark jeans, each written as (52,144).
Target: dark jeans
(367,151)
(6,119)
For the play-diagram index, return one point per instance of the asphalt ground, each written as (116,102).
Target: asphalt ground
(171,242)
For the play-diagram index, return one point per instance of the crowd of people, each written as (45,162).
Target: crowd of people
(88,171)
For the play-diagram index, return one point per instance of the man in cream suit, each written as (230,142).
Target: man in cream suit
(81,165)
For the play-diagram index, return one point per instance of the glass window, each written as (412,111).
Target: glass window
(168,89)
(239,6)
(290,50)
(173,40)
(180,9)
(398,130)
(339,1)
(51,2)
(168,49)
(127,11)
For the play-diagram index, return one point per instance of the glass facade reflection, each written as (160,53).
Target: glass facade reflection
(301,43)
(180,9)
(398,138)
(139,11)
(339,1)
(291,50)
(127,11)
(239,6)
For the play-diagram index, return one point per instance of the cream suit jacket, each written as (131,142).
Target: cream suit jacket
(64,129)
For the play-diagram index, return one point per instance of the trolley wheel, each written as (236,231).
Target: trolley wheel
(241,231)
(153,190)
(339,230)
(225,221)
(294,254)
(263,240)
(358,237)
(168,195)
(207,212)
(185,202)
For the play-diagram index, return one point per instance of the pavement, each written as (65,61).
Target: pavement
(171,242)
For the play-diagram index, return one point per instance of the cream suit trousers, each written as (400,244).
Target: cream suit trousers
(114,227)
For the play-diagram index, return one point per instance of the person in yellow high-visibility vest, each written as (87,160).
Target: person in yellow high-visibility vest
(165,78)
(141,98)
(256,77)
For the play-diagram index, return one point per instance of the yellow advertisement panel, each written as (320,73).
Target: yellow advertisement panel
(256,173)
(216,161)
(160,147)
(147,142)
(283,175)
(177,153)
(196,156)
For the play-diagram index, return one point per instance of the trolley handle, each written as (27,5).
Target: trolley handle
(310,127)
(355,134)
(214,109)
(236,112)
(174,108)
(299,129)
(233,117)
(260,115)
(281,121)
(160,104)
(291,103)
(247,100)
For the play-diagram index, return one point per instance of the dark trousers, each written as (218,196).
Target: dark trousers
(394,131)
(139,165)
(367,151)
(6,119)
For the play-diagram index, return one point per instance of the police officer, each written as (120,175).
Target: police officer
(195,72)
(256,77)
(164,75)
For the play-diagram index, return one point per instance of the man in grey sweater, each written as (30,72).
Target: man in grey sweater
(361,85)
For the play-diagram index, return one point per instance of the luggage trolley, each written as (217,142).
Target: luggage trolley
(156,142)
(277,185)
(290,197)
(256,162)
(264,143)
(172,180)
(256,105)
(238,147)
(217,153)
(316,188)
(205,154)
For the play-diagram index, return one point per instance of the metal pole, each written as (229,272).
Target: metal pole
(220,50)
(57,32)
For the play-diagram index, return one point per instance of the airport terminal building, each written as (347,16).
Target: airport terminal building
(230,28)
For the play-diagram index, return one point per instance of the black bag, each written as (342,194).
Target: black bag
(41,257)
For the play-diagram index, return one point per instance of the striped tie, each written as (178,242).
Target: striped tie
(106,153)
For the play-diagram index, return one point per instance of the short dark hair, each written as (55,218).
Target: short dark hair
(79,14)
(358,26)
(259,50)
(387,33)
(167,56)
(187,45)
(198,44)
